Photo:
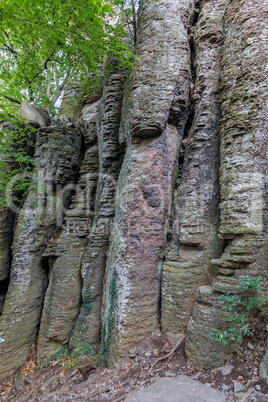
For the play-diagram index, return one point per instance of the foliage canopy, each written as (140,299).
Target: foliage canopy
(45,44)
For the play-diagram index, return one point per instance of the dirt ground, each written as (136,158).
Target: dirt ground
(54,383)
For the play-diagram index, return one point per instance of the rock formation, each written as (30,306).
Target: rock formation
(152,196)
(57,156)
(243,173)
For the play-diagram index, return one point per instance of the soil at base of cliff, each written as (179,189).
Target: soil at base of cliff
(53,383)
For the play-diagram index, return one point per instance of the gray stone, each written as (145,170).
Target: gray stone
(72,104)
(167,373)
(239,395)
(258,387)
(31,114)
(18,384)
(225,370)
(263,369)
(238,386)
(181,388)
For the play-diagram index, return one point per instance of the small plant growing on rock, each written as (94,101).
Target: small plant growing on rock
(240,307)
(68,356)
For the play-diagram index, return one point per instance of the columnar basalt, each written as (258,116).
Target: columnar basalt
(152,200)
(88,325)
(159,84)
(66,249)
(195,218)
(57,158)
(6,233)
(24,140)
(7,218)
(243,172)
(132,284)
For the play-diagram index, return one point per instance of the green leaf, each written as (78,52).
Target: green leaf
(107,8)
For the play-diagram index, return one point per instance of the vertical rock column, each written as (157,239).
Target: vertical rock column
(156,104)
(243,173)
(6,225)
(88,325)
(195,219)
(7,218)
(21,137)
(57,157)
(63,296)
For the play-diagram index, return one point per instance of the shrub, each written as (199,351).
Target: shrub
(240,307)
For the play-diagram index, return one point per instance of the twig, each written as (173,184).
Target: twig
(247,395)
(102,391)
(169,355)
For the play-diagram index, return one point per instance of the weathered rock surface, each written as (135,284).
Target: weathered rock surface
(65,250)
(6,234)
(157,81)
(170,206)
(181,388)
(264,364)
(195,218)
(243,172)
(207,315)
(88,325)
(57,157)
(72,104)
(24,139)
(133,277)
(7,218)
(132,284)
(32,114)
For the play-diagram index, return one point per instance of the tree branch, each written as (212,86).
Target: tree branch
(56,96)
(45,65)
(11,99)
(13,51)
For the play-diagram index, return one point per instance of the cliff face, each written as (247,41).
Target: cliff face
(153,198)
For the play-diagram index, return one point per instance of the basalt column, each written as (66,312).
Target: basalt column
(88,324)
(7,218)
(57,158)
(66,248)
(195,218)
(17,133)
(155,109)
(243,173)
